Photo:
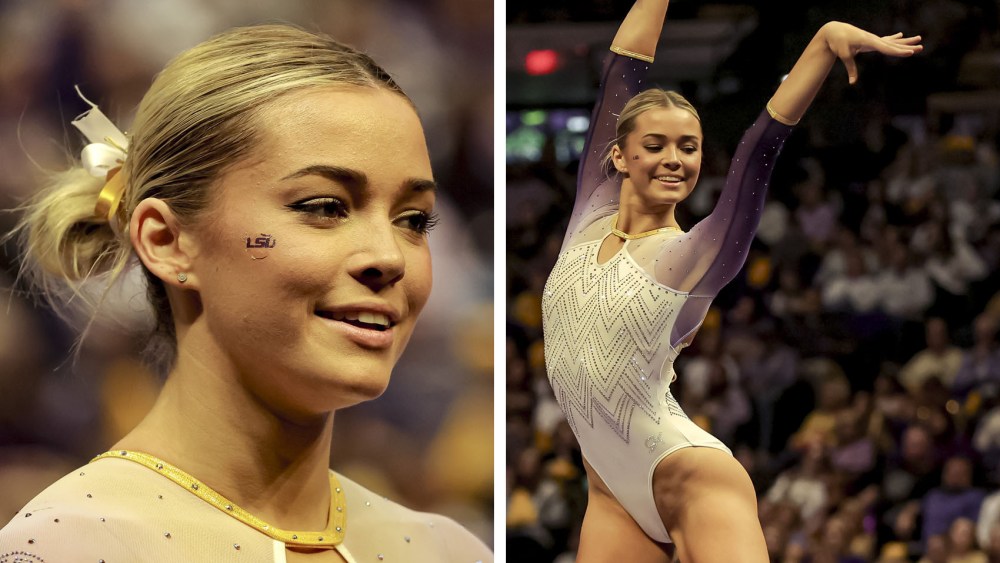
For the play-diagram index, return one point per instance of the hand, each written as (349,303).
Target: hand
(846,41)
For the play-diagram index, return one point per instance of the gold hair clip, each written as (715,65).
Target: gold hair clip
(110,197)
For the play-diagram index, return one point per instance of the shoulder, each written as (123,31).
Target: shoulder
(375,520)
(592,227)
(117,510)
(82,512)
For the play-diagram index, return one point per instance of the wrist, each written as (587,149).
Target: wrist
(829,31)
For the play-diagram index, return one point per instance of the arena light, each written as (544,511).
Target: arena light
(533,118)
(541,61)
(578,124)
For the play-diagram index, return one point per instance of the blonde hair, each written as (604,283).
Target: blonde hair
(654,98)
(198,117)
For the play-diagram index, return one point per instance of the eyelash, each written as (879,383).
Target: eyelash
(657,148)
(333,209)
(319,205)
(425,221)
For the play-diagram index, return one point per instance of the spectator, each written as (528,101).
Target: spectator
(817,428)
(816,214)
(986,438)
(856,291)
(962,543)
(904,290)
(909,475)
(989,518)
(854,452)
(939,359)
(835,260)
(952,265)
(993,547)
(954,499)
(804,485)
(937,550)
(980,367)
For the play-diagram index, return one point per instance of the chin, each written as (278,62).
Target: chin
(334,382)
(354,381)
(365,387)
(331,395)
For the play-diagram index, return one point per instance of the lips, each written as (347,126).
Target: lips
(670,178)
(370,327)
(362,319)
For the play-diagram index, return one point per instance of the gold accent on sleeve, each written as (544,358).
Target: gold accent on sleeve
(633,54)
(330,537)
(780,118)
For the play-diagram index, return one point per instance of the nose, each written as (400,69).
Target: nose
(670,158)
(379,262)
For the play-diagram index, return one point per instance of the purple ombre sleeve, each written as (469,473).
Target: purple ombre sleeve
(712,253)
(596,189)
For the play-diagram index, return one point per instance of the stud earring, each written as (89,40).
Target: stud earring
(182,277)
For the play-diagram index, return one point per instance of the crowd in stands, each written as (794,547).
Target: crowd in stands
(854,366)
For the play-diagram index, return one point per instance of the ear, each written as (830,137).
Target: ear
(618,159)
(161,243)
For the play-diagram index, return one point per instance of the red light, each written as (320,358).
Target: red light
(543,61)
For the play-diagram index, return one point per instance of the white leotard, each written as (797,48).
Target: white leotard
(613,330)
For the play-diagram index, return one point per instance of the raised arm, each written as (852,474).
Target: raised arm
(835,40)
(640,30)
(713,252)
(634,46)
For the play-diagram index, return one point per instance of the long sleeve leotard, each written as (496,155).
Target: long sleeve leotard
(612,330)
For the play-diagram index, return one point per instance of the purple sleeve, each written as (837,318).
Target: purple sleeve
(709,256)
(596,190)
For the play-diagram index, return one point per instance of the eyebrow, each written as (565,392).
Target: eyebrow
(357,179)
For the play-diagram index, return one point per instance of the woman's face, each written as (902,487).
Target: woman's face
(312,262)
(662,155)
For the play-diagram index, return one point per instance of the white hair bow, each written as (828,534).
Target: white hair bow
(103,158)
(108,146)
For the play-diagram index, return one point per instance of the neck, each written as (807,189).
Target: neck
(211,426)
(635,215)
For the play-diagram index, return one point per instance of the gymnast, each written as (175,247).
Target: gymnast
(276,192)
(630,289)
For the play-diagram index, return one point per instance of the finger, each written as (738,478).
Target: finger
(908,40)
(901,51)
(897,49)
(893,36)
(852,69)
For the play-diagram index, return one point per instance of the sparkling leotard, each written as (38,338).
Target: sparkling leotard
(612,330)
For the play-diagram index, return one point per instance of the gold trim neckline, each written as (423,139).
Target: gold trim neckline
(330,537)
(625,236)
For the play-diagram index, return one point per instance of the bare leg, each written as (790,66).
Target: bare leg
(610,535)
(709,507)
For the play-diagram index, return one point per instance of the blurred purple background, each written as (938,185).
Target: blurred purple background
(428,442)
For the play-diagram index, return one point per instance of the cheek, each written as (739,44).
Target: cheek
(265,277)
(419,273)
(643,163)
(695,162)
(695,167)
